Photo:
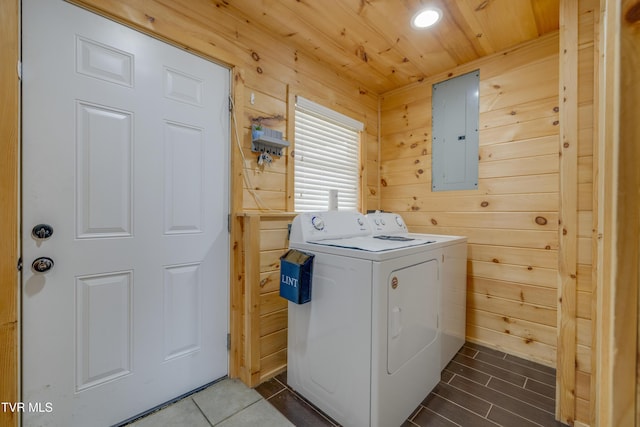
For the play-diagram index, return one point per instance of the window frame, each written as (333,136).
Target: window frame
(298,103)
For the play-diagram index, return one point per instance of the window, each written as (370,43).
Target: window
(327,157)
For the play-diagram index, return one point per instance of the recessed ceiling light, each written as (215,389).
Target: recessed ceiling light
(426,17)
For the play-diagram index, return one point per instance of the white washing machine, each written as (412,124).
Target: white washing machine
(366,348)
(453,294)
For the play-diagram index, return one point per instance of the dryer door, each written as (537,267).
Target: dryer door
(412,318)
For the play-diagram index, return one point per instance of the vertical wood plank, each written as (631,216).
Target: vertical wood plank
(364,188)
(237,164)
(595,218)
(607,122)
(568,213)
(9,213)
(236,326)
(626,317)
(252,298)
(291,113)
(378,156)
(237,247)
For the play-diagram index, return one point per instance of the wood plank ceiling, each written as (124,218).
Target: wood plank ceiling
(373,42)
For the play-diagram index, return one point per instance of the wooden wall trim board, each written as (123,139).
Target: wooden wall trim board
(252,298)
(236,230)
(291,111)
(568,214)
(237,113)
(627,315)
(236,301)
(9,207)
(607,162)
(595,217)
(364,189)
(618,184)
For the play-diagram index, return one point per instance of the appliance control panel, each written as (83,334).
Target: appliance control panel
(314,226)
(383,223)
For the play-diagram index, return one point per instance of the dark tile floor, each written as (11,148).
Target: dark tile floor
(480,387)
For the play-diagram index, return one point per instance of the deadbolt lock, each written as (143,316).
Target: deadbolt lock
(42,231)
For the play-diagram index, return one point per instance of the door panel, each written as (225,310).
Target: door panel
(103,305)
(183,178)
(125,155)
(412,312)
(104,175)
(182,291)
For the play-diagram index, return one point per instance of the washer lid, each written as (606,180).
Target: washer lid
(374,244)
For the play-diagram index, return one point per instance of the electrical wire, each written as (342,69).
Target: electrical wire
(259,202)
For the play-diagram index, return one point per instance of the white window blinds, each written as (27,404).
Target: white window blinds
(327,153)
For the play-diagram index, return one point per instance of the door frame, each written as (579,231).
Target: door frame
(10,212)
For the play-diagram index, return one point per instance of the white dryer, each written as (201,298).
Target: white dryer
(453,294)
(365,349)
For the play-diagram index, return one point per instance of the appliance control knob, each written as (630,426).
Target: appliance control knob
(360,221)
(318,223)
(382,222)
(399,221)
(377,221)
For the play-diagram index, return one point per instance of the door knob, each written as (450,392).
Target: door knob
(42,264)
(42,231)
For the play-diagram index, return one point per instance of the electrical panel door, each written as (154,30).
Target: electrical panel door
(455,117)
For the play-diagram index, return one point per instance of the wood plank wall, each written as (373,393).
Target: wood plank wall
(268,74)
(512,219)
(264,318)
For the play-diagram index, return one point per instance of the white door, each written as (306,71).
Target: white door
(125,156)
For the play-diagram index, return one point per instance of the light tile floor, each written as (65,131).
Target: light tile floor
(228,403)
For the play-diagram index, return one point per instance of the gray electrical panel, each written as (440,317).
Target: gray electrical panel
(455,117)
